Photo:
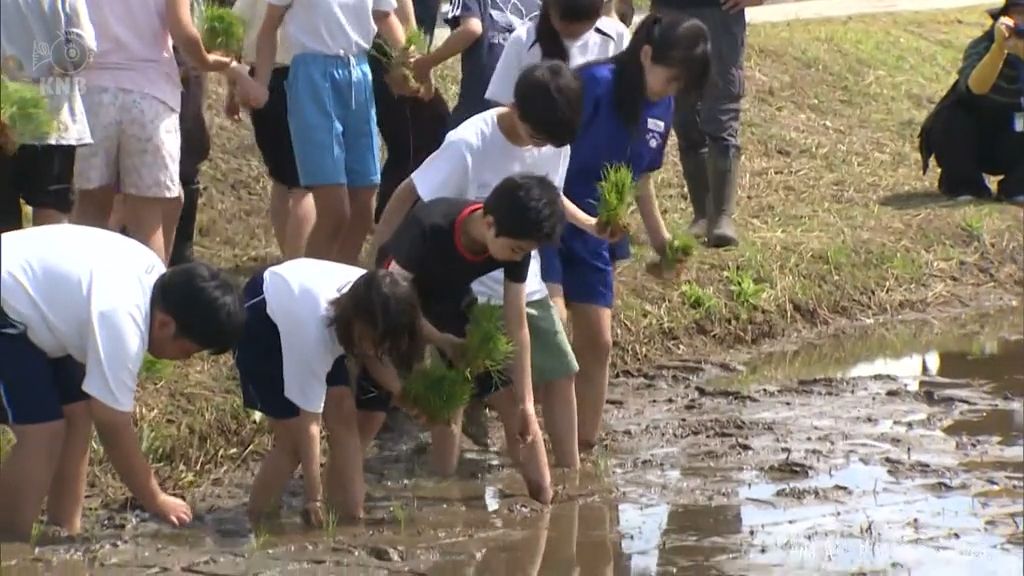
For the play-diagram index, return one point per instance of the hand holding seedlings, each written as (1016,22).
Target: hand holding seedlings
(615,197)
(400,77)
(222,30)
(313,513)
(437,391)
(680,245)
(24,115)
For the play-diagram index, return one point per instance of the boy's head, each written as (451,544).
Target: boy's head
(195,307)
(379,316)
(522,212)
(1014,9)
(548,100)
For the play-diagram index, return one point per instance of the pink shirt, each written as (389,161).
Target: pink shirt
(133,49)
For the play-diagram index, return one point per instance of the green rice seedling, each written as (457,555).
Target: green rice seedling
(680,246)
(416,41)
(488,348)
(437,391)
(615,195)
(222,30)
(24,114)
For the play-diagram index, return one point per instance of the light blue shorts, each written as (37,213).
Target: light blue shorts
(333,120)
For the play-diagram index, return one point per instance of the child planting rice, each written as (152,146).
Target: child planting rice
(623,138)
(323,341)
(81,307)
(445,245)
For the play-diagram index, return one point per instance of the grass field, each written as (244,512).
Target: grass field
(838,225)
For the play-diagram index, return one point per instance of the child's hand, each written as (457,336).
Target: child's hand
(612,233)
(451,347)
(421,68)
(313,513)
(232,109)
(400,81)
(402,403)
(251,93)
(174,511)
(525,424)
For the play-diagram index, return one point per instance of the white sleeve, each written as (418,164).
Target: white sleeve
(446,173)
(558,173)
(622,39)
(280,2)
(117,345)
(385,5)
(305,375)
(503,82)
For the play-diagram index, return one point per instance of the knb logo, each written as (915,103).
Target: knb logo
(69,54)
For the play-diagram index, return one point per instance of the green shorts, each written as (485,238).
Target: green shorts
(551,353)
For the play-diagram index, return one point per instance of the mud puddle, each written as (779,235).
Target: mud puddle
(899,451)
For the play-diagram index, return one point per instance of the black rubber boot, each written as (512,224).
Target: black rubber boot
(695,172)
(722,175)
(186,231)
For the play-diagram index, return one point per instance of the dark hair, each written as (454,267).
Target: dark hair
(204,303)
(552,47)
(526,207)
(548,96)
(386,305)
(676,42)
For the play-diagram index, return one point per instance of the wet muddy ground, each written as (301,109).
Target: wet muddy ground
(875,453)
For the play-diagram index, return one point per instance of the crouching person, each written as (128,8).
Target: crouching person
(323,338)
(80,308)
(978,126)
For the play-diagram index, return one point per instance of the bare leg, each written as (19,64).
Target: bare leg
(332,216)
(301,216)
(279,213)
(171,211)
(592,342)
(277,468)
(67,490)
(559,405)
(533,460)
(370,424)
(94,207)
(360,221)
(145,219)
(25,477)
(444,446)
(44,216)
(346,487)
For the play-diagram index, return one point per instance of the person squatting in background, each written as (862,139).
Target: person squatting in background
(708,130)
(977,128)
(292,212)
(41,173)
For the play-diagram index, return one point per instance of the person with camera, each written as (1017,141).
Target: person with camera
(978,126)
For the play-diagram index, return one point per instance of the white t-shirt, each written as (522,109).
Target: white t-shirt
(252,12)
(84,292)
(473,159)
(607,38)
(298,294)
(333,27)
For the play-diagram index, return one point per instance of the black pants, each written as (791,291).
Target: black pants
(971,139)
(412,129)
(195,149)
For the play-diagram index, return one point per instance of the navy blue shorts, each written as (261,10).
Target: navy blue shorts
(34,388)
(583,267)
(261,365)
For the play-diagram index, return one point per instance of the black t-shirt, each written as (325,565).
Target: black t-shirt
(427,245)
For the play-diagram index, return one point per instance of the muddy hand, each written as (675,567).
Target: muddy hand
(174,511)
(611,232)
(525,422)
(313,514)
(452,347)
(403,404)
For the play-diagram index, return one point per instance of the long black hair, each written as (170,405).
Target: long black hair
(677,43)
(552,47)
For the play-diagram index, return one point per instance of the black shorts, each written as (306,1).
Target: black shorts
(273,138)
(34,388)
(261,366)
(41,175)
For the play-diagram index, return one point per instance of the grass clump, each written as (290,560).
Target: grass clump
(615,195)
(400,61)
(746,291)
(437,391)
(222,30)
(24,115)
(488,348)
(698,299)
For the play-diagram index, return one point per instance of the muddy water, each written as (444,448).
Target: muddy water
(895,451)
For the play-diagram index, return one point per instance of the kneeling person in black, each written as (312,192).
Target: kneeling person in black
(446,244)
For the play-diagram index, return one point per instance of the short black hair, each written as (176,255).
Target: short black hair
(552,47)
(526,207)
(386,305)
(205,304)
(549,98)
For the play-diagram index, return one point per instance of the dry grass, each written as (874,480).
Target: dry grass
(837,224)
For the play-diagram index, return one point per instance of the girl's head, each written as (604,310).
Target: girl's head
(379,316)
(667,56)
(564,21)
